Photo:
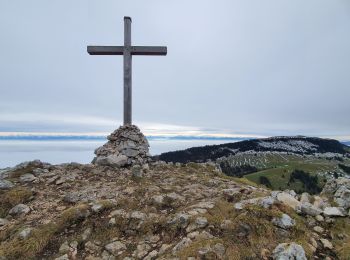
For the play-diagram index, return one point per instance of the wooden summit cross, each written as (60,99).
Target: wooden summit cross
(127,51)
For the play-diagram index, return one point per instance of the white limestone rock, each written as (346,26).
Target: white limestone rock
(308,209)
(318,229)
(91,247)
(265,202)
(115,248)
(25,233)
(284,222)
(68,247)
(320,202)
(152,255)
(238,205)
(137,171)
(305,197)
(136,220)
(219,249)
(5,185)
(185,242)
(27,177)
(200,222)
(326,244)
(288,199)
(97,207)
(319,218)
(334,212)
(333,185)
(342,197)
(3,222)
(180,220)
(142,250)
(231,193)
(340,190)
(169,200)
(289,251)
(19,210)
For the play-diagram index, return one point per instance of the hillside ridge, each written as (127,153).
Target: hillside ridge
(289,144)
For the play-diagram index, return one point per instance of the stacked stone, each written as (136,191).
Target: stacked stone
(125,146)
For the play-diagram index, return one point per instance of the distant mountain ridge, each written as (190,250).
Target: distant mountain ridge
(290,144)
(346,143)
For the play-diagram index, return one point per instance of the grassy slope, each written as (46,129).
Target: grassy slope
(278,167)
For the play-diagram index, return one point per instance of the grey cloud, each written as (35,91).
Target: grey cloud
(263,67)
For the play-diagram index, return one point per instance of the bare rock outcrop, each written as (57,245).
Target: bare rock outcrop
(339,189)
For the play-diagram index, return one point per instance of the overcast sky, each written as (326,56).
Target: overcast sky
(272,67)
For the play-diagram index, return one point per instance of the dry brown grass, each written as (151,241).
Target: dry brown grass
(41,236)
(106,205)
(342,245)
(192,249)
(13,197)
(102,231)
(262,233)
(245,181)
(17,173)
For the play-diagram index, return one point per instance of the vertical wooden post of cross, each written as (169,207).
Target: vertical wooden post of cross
(127,72)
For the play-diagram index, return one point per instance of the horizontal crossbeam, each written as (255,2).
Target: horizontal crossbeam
(148,50)
(105,50)
(134,50)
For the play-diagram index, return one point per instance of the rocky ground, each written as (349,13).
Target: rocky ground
(164,211)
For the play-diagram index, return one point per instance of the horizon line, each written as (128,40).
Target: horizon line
(97,136)
(103,137)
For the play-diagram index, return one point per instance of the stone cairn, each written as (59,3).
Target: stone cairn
(126,146)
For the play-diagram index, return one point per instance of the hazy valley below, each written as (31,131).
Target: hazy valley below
(13,152)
